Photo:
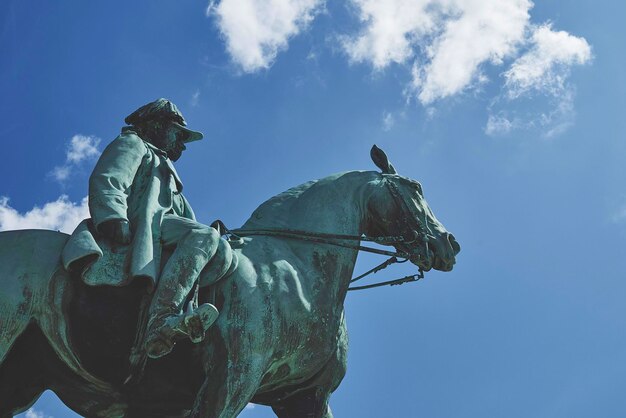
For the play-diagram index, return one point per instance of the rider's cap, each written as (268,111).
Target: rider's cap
(162,109)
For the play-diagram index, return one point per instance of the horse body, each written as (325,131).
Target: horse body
(280,339)
(280,298)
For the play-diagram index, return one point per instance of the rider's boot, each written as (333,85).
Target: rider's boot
(167,323)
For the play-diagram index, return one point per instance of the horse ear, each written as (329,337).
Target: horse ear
(380,159)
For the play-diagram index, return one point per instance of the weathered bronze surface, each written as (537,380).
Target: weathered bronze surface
(280,337)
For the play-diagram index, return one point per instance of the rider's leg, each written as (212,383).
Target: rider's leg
(195,246)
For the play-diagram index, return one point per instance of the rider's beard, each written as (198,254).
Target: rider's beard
(175,151)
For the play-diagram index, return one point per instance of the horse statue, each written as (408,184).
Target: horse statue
(280,339)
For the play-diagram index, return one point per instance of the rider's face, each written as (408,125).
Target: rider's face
(173,142)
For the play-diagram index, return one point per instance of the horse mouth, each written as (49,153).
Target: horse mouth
(442,265)
(433,263)
(426,259)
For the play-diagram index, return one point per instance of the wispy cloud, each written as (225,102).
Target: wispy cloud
(79,149)
(499,125)
(195,97)
(62,215)
(620,215)
(388,121)
(546,65)
(540,74)
(33,413)
(548,117)
(255,31)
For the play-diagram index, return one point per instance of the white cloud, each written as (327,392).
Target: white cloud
(484,31)
(388,121)
(545,67)
(195,97)
(547,118)
(498,125)
(61,173)
(256,30)
(390,29)
(62,215)
(560,117)
(446,45)
(447,40)
(80,148)
(33,413)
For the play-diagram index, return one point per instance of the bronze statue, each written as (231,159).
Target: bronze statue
(68,323)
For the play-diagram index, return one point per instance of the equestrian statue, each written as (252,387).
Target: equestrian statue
(145,312)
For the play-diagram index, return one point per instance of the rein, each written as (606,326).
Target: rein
(338,240)
(335,239)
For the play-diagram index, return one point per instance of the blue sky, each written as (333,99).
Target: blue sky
(509,113)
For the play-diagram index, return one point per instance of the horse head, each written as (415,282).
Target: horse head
(399,211)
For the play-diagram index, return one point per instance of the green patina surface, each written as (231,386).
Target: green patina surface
(280,337)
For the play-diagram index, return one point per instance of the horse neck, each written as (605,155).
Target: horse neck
(335,205)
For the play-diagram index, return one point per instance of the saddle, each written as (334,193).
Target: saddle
(103,264)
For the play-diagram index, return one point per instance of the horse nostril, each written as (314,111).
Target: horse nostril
(455,245)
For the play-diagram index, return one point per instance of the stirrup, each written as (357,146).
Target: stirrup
(196,323)
(193,324)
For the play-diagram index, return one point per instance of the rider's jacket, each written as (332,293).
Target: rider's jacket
(133,181)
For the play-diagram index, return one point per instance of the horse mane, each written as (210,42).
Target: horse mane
(278,205)
(277,209)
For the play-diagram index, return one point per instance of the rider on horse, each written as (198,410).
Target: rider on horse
(135,199)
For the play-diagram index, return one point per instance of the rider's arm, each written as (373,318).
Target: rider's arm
(111,180)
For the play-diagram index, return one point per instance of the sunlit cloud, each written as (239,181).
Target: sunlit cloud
(33,413)
(444,41)
(389,30)
(447,44)
(61,214)
(546,65)
(80,148)
(446,48)
(255,31)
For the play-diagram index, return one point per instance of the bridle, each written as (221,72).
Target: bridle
(419,233)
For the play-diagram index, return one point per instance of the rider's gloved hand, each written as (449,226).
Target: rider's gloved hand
(117,230)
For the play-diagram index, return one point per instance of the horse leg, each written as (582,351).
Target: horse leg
(232,378)
(227,390)
(311,403)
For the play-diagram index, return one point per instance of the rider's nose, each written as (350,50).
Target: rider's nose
(454,244)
